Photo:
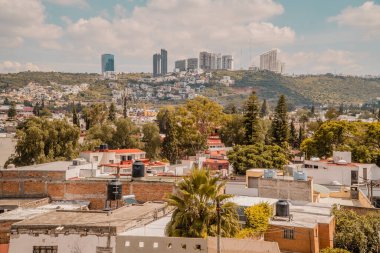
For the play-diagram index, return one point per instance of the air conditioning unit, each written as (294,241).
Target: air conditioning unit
(270,173)
(299,176)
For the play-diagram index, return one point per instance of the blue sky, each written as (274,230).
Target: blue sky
(318,36)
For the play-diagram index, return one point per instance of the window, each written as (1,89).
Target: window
(45,249)
(111,161)
(95,158)
(315,166)
(289,234)
(308,166)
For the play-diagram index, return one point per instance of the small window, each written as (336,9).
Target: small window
(127,244)
(95,158)
(155,245)
(289,234)
(45,249)
(183,246)
(111,161)
(198,247)
(169,245)
(315,166)
(141,244)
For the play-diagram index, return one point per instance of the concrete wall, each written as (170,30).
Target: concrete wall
(66,243)
(54,185)
(286,189)
(148,244)
(326,234)
(239,188)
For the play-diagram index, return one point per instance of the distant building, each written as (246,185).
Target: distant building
(156,64)
(227,62)
(164,62)
(218,61)
(180,65)
(108,63)
(205,60)
(160,63)
(269,61)
(192,63)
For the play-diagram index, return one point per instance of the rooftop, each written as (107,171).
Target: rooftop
(304,214)
(118,151)
(53,166)
(119,219)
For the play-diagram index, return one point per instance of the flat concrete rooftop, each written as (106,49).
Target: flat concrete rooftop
(121,219)
(53,166)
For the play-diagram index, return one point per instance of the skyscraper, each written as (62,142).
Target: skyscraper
(227,62)
(205,60)
(218,61)
(164,62)
(156,65)
(180,65)
(192,63)
(108,63)
(269,61)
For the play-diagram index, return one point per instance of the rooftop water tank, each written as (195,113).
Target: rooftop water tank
(114,190)
(138,169)
(270,173)
(299,175)
(282,208)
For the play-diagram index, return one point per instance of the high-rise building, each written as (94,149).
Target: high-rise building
(205,60)
(269,61)
(164,62)
(156,65)
(227,62)
(213,61)
(192,63)
(108,63)
(218,61)
(180,65)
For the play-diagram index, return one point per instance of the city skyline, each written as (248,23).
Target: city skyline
(69,35)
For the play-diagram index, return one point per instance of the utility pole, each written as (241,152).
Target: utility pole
(218,232)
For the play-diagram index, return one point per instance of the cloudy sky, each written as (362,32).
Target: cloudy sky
(316,36)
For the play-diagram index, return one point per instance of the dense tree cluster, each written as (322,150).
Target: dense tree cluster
(41,140)
(355,233)
(362,139)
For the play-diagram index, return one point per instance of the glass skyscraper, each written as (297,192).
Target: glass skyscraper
(108,63)
(164,62)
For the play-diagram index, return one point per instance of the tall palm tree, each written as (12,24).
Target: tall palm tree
(195,208)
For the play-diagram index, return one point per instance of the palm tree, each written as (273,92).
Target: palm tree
(195,208)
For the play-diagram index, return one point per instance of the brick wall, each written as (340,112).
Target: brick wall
(95,191)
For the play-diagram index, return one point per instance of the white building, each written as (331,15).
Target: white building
(270,61)
(112,156)
(337,171)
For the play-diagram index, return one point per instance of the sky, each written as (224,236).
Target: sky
(313,36)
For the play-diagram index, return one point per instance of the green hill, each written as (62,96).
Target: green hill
(318,89)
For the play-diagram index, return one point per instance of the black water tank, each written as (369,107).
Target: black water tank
(282,208)
(138,169)
(114,190)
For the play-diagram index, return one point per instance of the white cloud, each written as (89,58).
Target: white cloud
(10,67)
(365,17)
(328,61)
(25,19)
(183,27)
(80,3)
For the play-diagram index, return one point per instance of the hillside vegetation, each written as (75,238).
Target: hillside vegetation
(300,90)
(319,89)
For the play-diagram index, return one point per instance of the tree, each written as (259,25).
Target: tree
(208,115)
(75,117)
(12,110)
(378,115)
(152,140)
(125,112)
(170,145)
(230,109)
(100,134)
(257,220)
(36,109)
(356,233)
(195,212)
(162,118)
(6,101)
(94,114)
(232,131)
(341,109)
(45,112)
(251,119)
(257,156)
(292,136)
(41,140)
(312,111)
(301,136)
(126,134)
(264,109)
(334,250)
(112,112)
(331,114)
(280,129)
